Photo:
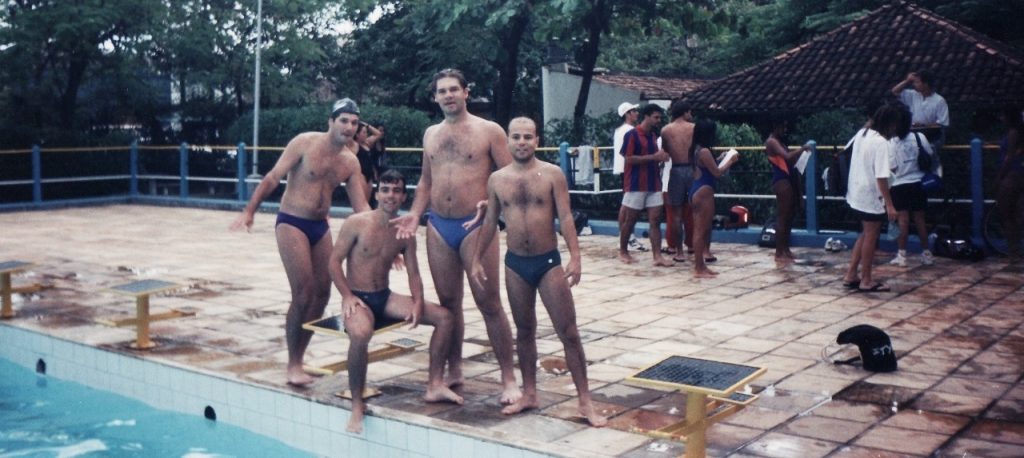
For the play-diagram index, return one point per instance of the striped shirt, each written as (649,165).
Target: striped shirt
(643,177)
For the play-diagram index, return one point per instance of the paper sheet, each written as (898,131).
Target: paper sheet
(727,156)
(801,163)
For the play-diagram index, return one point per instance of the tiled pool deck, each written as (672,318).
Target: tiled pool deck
(957,328)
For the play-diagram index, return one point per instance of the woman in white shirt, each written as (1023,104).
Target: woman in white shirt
(908,195)
(868,195)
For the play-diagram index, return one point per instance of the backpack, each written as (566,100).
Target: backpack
(924,160)
(876,352)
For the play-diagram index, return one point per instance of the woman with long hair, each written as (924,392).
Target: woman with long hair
(702,193)
(784,185)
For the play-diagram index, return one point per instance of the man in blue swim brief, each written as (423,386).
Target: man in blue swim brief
(314,163)
(367,245)
(459,154)
(532,261)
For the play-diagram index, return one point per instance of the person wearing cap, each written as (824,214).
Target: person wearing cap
(629,113)
(314,163)
(459,154)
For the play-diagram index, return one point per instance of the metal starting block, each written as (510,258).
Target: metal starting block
(6,269)
(334,326)
(141,290)
(711,389)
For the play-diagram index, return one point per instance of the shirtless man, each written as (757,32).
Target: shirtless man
(531,194)
(314,163)
(368,244)
(459,155)
(676,138)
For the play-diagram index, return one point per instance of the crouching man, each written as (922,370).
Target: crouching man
(368,245)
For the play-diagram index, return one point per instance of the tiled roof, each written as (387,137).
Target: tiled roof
(860,62)
(652,87)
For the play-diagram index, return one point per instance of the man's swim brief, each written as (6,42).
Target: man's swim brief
(314,230)
(532,268)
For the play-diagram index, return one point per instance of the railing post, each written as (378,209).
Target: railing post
(37,175)
(133,169)
(977,196)
(565,162)
(811,180)
(183,170)
(241,172)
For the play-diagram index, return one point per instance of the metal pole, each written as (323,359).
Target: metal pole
(256,89)
(977,194)
(565,162)
(133,169)
(37,175)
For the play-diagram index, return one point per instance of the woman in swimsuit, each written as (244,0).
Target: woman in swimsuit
(784,185)
(702,193)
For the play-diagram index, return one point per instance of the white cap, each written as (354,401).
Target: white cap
(624,108)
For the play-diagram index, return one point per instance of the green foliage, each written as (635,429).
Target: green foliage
(402,126)
(597,131)
(737,135)
(832,127)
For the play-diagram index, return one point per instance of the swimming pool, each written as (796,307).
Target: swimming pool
(43,416)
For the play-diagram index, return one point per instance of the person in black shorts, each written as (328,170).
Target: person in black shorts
(908,195)
(368,246)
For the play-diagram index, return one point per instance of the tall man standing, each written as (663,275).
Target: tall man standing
(314,163)
(530,194)
(676,138)
(641,183)
(459,155)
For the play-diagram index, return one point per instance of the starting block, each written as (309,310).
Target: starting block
(141,290)
(6,269)
(711,389)
(334,326)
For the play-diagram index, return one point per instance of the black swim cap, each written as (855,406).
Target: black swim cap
(345,105)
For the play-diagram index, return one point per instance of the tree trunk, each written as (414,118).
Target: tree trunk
(509,66)
(69,98)
(595,22)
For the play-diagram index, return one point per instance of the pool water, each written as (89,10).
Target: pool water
(44,417)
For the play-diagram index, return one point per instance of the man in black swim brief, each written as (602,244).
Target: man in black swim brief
(367,245)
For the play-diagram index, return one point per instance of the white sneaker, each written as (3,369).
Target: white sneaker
(636,245)
(899,260)
(927,259)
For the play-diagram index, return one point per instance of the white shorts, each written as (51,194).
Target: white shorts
(639,200)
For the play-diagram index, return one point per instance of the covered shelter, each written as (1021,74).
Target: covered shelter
(855,65)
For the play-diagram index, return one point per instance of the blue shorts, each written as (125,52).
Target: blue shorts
(532,268)
(377,301)
(314,230)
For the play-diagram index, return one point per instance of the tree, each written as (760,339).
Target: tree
(53,50)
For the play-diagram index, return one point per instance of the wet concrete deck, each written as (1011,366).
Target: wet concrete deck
(956,328)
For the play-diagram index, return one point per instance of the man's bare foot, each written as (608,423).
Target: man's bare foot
(662,262)
(784,260)
(595,419)
(452,381)
(442,394)
(299,378)
(625,258)
(511,394)
(705,273)
(526,402)
(355,421)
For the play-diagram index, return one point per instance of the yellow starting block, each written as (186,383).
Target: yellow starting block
(711,395)
(141,290)
(334,326)
(6,269)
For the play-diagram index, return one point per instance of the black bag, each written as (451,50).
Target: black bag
(580,219)
(959,249)
(924,160)
(767,239)
(875,347)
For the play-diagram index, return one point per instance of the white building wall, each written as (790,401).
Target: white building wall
(561,89)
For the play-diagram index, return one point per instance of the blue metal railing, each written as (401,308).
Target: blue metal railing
(241,181)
